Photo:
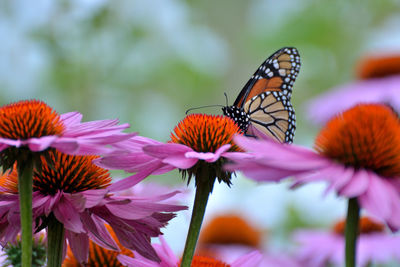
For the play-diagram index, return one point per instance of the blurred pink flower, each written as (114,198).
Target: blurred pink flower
(321,248)
(358,155)
(34,125)
(230,236)
(169,259)
(198,139)
(383,90)
(379,82)
(78,194)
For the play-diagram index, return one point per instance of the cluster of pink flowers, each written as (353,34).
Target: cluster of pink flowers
(356,153)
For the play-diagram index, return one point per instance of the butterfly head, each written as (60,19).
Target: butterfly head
(241,118)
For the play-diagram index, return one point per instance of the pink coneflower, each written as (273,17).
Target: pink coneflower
(231,236)
(230,229)
(357,153)
(321,248)
(75,195)
(169,259)
(32,125)
(200,144)
(28,129)
(379,82)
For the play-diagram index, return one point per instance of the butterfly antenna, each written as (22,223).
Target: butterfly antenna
(226,98)
(208,106)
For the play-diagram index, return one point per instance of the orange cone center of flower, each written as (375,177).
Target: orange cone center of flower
(27,119)
(69,174)
(201,261)
(205,133)
(230,229)
(365,226)
(99,256)
(9,181)
(377,67)
(61,172)
(365,136)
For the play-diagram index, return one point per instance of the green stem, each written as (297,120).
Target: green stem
(199,208)
(55,242)
(25,180)
(351,231)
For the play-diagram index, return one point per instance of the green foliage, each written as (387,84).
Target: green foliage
(13,255)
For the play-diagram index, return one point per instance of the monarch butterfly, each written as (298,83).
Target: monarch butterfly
(264,102)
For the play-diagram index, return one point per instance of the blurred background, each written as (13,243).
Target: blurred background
(147,61)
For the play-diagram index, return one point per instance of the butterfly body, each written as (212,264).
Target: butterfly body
(264,102)
(241,118)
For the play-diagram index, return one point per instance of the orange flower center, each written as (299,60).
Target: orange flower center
(230,229)
(70,174)
(27,119)
(201,261)
(9,181)
(62,172)
(99,256)
(365,226)
(365,136)
(205,133)
(377,67)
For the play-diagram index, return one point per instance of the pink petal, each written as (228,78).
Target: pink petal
(132,162)
(165,253)
(357,185)
(180,161)
(209,156)
(53,200)
(135,241)
(251,259)
(40,144)
(132,180)
(91,198)
(163,151)
(97,231)
(79,244)
(71,118)
(138,261)
(66,145)
(3,146)
(67,215)
(128,210)
(339,176)
(172,154)
(10,142)
(377,199)
(279,155)
(379,90)
(220,151)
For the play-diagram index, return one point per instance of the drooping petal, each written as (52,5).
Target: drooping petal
(97,231)
(357,185)
(79,244)
(68,216)
(382,200)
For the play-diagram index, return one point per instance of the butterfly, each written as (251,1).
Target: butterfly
(263,105)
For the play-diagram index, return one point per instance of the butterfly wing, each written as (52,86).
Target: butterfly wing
(276,73)
(272,114)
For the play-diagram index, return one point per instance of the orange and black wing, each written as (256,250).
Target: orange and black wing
(276,73)
(272,114)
